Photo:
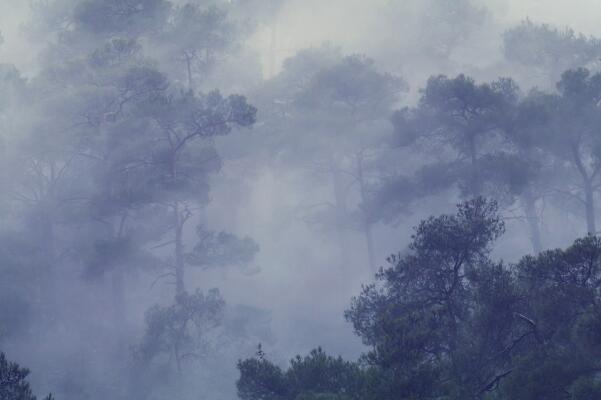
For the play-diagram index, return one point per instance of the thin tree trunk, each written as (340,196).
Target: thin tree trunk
(590,209)
(178,226)
(118,284)
(366,221)
(340,210)
(272,50)
(589,200)
(179,250)
(50,284)
(178,359)
(475,185)
(118,302)
(189,70)
(370,247)
(529,204)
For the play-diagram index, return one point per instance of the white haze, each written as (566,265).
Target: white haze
(297,276)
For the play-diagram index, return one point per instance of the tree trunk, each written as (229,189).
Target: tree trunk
(590,209)
(50,284)
(366,220)
(178,226)
(119,304)
(589,200)
(529,205)
(475,185)
(118,289)
(371,257)
(189,70)
(272,50)
(340,210)
(179,250)
(178,358)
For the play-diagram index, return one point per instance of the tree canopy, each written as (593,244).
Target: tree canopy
(445,320)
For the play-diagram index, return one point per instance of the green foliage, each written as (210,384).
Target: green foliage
(120,16)
(444,321)
(470,326)
(544,46)
(320,373)
(466,124)
(198,37)
(415,321)
(221,249)
(261,380)
(370,93)
(13,384)
(316,376)
(181,331)
(465,116)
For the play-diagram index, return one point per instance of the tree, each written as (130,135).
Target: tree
(526,171)
(414,321)
(187,329)
(179,165)
(264,13)
(549,50)
(476,139)
(570,136)
(260,379)
(446,321)
(465,115)
(315,376)
(99,172)
(344,105)
(429,36)
(326,114)
(13,384)
(130,17)
(216,249)
(197,37)
(143,139)
(561,308)
(277,100)
(443,26)
(459,129)
(181,331)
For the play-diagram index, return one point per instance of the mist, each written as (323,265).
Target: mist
(194,193)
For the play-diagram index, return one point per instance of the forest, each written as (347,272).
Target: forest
(300,200)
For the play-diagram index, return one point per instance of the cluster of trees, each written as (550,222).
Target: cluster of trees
(107,157)
(445,320)
(111,149)
(329,115)
(13,383)
(492,140)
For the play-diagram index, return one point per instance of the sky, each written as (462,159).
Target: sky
(352,24)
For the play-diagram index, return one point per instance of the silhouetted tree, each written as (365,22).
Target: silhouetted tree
(13,384)
(315,376)
(344,105)
(446,321)
(181,331)
(570,136)
(549,50)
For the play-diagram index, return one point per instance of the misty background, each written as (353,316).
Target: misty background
(285,185)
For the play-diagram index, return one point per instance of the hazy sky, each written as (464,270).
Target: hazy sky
(352,24)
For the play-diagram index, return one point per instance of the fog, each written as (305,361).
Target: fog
(278,151)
